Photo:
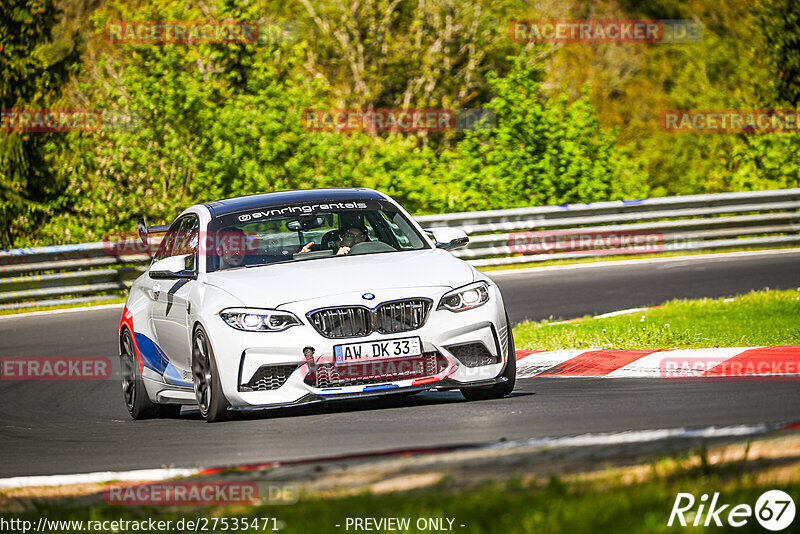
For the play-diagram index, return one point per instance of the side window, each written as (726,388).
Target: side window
(187,241)
(181,238)
(168,242)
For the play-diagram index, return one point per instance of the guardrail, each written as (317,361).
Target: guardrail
(100,271)
(670,224)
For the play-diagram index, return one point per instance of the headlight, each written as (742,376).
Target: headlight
(259,320)
(465,298)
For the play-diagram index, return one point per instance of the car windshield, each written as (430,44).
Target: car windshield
(308,232)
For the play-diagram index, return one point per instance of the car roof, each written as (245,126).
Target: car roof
(220,208)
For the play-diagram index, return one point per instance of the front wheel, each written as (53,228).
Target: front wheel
(504,388)
(207,387)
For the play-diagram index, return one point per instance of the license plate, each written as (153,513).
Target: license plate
(407,347)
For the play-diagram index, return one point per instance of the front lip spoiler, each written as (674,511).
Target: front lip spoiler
(312,398)
(449,383)
(376,393)
(308,398)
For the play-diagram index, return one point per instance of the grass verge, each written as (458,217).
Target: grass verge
(758,318)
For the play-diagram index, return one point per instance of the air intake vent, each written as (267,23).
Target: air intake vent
(269,377)
(473,354)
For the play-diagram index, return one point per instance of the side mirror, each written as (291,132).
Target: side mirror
(174,267)
(448,238)
(142,227)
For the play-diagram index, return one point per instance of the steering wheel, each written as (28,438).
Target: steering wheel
(329,240)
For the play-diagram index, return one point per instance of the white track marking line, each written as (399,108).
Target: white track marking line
(621,312)
(605,315)
(638,436)
(148,475)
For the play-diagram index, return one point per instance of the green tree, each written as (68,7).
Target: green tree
(779,25)
(771,160)
(544,150)
(35,69)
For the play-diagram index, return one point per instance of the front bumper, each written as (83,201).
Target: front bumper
(240,355)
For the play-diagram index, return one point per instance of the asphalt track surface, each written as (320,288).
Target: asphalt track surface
(82,426)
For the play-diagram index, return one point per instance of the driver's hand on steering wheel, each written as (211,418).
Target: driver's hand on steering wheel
(307,247)
(343,250)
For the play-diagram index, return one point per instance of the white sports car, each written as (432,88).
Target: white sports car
(293,297)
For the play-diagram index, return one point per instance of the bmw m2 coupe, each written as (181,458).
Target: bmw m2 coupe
(293,297)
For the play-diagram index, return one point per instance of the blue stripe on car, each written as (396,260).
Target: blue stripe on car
(152,355)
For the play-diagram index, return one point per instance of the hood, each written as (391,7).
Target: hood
(274,285)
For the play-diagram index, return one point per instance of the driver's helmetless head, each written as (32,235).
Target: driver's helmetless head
(231,248)
(352,236)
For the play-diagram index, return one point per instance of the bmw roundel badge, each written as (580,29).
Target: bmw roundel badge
(367,296)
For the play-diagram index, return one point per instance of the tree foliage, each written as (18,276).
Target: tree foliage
(34,69)
(574,122)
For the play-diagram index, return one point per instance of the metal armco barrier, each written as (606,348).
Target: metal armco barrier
(670,224)
(757,219)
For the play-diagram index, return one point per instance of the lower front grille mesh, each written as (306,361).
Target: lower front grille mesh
(375,372)
(269,377)
(473,354)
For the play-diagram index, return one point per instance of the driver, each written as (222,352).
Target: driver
(230,248)
(349,238)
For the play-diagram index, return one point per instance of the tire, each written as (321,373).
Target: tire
(502,389)
(205,376)
(133,391)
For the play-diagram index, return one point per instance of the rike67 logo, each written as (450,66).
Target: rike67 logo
(774,510)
